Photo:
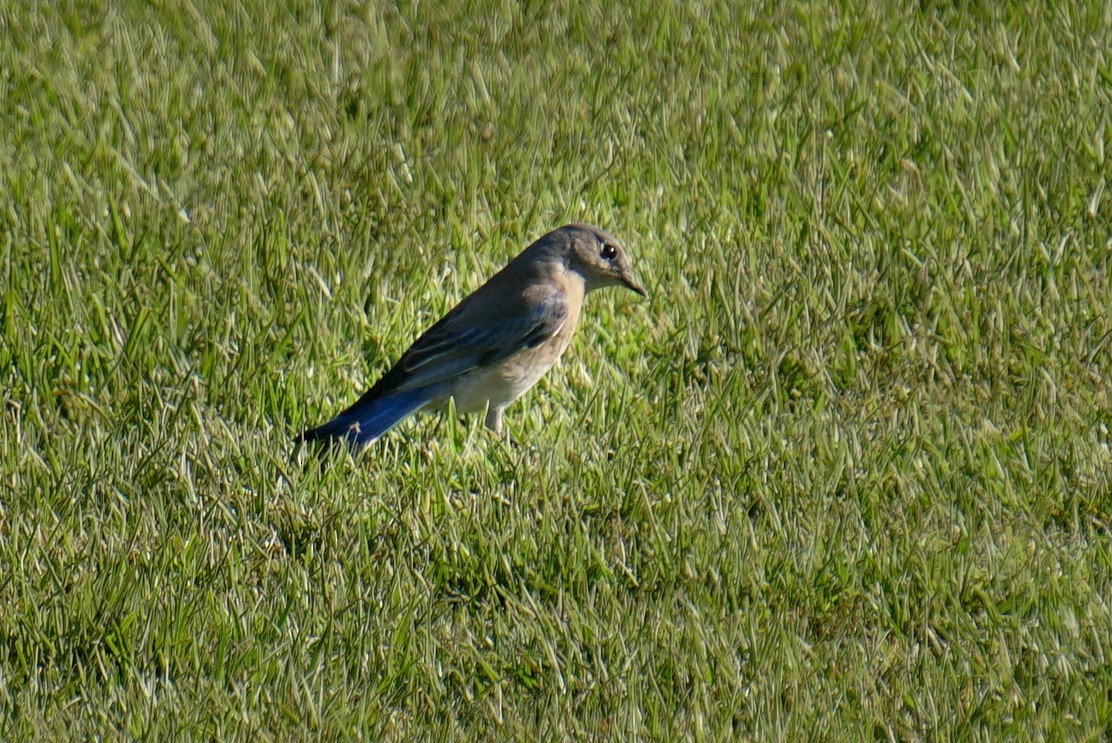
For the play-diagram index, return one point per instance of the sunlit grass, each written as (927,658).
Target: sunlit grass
(845,474)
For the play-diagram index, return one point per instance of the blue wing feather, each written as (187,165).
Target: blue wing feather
(370,417)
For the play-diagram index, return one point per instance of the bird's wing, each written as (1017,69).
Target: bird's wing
(480,331)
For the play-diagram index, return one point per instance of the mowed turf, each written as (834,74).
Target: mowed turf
(845,475)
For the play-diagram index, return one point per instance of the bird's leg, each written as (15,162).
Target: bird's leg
(493,419)
(493,424)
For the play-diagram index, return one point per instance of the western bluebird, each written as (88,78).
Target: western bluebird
(496,343)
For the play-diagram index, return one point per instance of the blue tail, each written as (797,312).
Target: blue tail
(369,418)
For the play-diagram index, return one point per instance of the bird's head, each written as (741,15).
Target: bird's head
(599,258)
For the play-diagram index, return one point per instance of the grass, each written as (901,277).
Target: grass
(846,475)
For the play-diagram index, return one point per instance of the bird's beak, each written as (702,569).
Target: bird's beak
(629,283)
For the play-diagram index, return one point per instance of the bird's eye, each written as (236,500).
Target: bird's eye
(608,251)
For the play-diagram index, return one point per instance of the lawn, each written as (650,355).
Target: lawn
(846,474)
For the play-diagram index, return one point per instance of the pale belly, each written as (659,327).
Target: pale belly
(501,384)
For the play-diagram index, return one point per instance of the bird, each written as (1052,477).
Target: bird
(496,343)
